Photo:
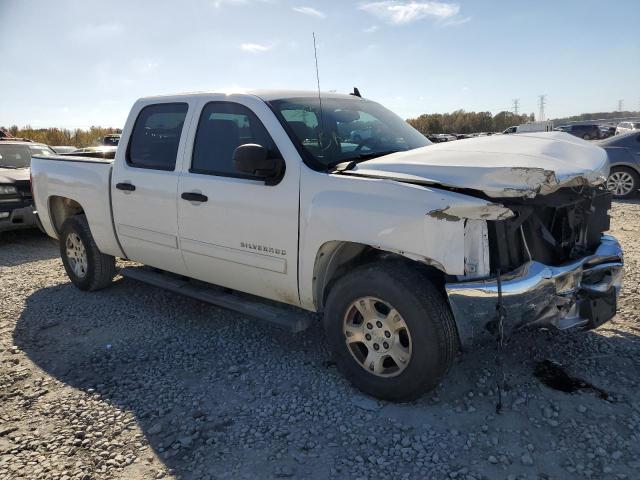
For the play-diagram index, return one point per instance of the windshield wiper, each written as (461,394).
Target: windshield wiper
(350,162)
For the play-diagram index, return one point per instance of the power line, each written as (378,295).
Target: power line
(541,104)
(516,105)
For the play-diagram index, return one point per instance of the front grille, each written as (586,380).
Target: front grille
(551,229)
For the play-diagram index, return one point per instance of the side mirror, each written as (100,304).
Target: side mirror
(253,160)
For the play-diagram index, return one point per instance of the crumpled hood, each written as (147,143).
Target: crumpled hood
(11,175)
(520,165)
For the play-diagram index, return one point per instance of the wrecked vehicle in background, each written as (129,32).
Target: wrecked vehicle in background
(16,203)
(410,250)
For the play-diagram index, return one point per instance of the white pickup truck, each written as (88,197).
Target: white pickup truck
(410,250)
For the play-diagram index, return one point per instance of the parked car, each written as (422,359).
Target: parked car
(626,127)
(544,126)
(410,250)
(16,201)
(585,131)
(624,157)
(64,148)
(441,137)
(357,136)
(607,131)
(111,140)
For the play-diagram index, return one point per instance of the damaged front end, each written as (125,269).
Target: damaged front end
(550,265)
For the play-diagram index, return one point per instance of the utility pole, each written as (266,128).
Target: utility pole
(541,104)
(619,105)
(516,105)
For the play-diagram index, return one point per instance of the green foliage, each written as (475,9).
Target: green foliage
(466,122)
(61,136)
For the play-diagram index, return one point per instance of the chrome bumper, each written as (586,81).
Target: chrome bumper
(17,216)
(581,293)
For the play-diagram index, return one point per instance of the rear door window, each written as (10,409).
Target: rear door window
(156,136)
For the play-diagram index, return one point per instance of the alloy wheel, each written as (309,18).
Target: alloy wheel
(620,183)
(76,255)
(377,337)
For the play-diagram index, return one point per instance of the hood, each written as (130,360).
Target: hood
(13,175)
(521,165)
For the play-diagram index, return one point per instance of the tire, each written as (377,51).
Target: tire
(430,330)
(92,271)
(623,182)
(586,136)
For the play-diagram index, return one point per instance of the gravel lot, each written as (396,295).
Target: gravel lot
(136,383)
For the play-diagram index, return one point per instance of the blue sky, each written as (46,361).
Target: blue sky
(80,63)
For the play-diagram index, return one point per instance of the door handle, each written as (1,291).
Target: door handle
(127,187)
(194,197)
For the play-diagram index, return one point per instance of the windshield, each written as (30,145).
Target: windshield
(352,129)
(19,156)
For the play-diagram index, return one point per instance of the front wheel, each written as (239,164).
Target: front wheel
(87,267)
(623,182)
(391,331)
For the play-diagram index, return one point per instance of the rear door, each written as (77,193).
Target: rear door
(241,234)
(144,186)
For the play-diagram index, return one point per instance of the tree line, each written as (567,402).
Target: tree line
(77,137)
(461,121)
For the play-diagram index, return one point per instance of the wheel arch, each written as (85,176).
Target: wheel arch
(61,208)
(635,167)
(335,258)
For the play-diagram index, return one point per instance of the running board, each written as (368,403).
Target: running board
(292,318)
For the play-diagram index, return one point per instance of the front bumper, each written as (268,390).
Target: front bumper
(15,216)
(581,293)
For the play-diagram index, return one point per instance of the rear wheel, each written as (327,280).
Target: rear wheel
(390,330)
(586,136)
(87,267)
(623,182)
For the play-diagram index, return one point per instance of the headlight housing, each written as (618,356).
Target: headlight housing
(8,190)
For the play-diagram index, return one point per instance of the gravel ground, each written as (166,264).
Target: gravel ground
(133,382)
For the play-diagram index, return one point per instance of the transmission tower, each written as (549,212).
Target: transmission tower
(541,104)
(516,105)
(619,105)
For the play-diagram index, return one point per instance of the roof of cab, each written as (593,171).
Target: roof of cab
(266,95)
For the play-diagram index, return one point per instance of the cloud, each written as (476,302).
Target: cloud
(255,47)
(454,22)
(309,11)
(371,29)
(403,12)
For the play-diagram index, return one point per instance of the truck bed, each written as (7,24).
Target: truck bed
(84,180)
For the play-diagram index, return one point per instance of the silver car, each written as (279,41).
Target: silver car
(624,156)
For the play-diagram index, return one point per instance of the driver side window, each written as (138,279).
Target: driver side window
(223,127)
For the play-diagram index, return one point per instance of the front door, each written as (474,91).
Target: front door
(144,187)
(235,231)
